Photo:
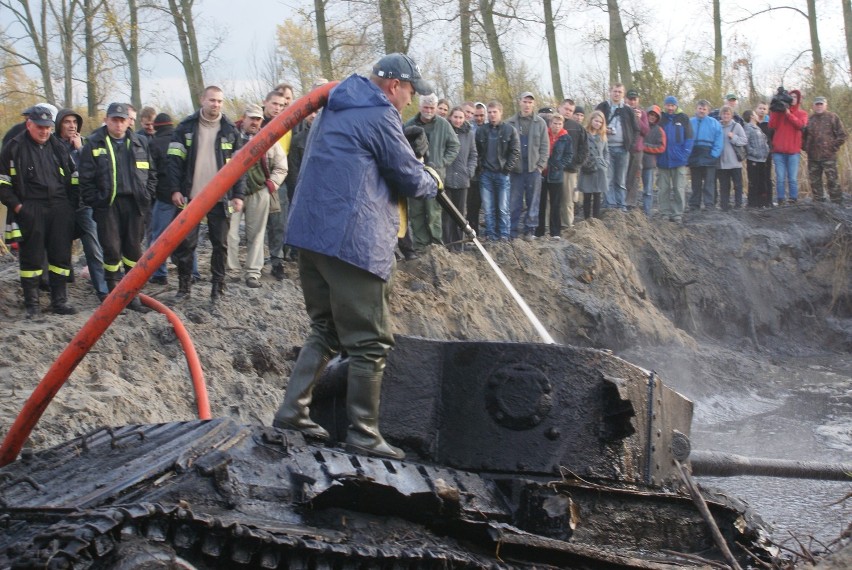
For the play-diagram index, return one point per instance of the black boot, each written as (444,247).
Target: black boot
(217,291)
(31,291)
(136,305)
(184,287)
(59,296)
(111,278)
(294,412)
(363,394)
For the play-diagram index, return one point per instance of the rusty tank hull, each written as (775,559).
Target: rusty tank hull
(519,456)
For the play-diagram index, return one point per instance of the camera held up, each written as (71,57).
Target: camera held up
(781,101)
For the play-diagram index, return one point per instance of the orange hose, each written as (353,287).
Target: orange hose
(153,257)
(195,371)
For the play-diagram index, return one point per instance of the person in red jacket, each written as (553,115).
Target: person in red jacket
(787,146)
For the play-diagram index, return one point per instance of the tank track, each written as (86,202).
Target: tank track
(91,540)
(214,494)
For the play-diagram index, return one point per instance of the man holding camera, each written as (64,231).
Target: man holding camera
(822,139)
(788,120)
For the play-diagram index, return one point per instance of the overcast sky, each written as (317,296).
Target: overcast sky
(776,39)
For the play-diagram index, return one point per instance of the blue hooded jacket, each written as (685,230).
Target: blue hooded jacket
(356,168)
(679,140)
(708,135)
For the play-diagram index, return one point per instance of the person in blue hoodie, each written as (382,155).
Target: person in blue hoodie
(671,164)
(357,170)
(704,158)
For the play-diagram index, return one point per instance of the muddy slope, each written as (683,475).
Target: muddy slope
(772,281)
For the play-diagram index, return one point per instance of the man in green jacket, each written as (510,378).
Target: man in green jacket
(425,213)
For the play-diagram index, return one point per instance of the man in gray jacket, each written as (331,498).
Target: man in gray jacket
(525,178)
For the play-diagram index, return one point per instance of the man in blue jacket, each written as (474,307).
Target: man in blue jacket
(671,164)
(357,169)
(704,156)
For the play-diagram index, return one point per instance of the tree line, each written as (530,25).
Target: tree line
(49,47)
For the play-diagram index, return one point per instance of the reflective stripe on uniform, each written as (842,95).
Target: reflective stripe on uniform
(114,173)
(59,270)
(142,165)
(127,262)
(14,233)
(113,268)
(227,146)
(98,151)
(32,273)
(13,171)
(177,149)
(5,179)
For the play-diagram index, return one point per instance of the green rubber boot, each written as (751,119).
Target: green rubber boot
(363,395)
(294,412)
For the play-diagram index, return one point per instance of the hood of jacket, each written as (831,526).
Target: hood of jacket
(64,113)
(798,98)
(357,93)
(654,109)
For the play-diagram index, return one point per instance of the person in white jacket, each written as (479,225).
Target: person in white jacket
(264,177)
(730,166)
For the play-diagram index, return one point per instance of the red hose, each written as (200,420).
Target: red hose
(153,257)
(195,371)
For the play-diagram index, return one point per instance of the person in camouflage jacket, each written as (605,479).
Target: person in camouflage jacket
(822,138)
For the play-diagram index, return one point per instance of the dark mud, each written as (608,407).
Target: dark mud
(747,313)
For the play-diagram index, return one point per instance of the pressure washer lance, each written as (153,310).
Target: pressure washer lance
(457,216)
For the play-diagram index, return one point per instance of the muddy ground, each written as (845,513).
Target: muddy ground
(747,313)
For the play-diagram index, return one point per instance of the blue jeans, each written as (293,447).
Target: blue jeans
(276,228)
(648,189)
(162,214)
(616,192)
(91,247)
(786,168)
(524,198)
(494,190)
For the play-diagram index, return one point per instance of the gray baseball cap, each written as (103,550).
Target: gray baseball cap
(40,115)
(400,66)
(118,110)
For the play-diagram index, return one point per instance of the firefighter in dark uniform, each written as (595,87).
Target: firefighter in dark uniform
(117,179)
(36,184)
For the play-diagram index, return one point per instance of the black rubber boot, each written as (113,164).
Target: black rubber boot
(136,305)
(59,296)
(217,291)
(294,412)
(363,395)
(184,287)
(111,278)
(31,291)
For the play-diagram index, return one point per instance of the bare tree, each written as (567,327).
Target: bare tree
(498,60)
(65,16)
(322,38)
(126,21)
(717,45)
(35,34)
(847,24)
(467,59)
(619,60)
(550,36)
(395,39)
(91,45)
(819,78)
(184,22)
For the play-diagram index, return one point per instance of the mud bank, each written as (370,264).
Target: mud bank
(732,309)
